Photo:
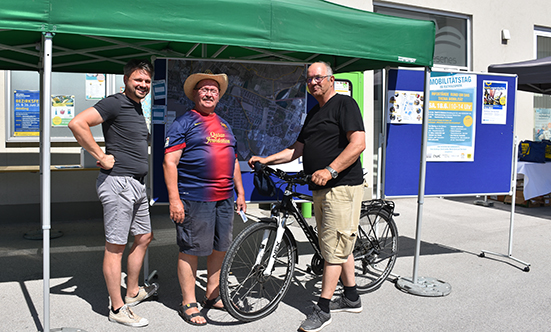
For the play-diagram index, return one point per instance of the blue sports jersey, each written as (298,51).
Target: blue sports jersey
(205,170)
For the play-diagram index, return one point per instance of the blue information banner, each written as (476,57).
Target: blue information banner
(26,113)
(484,162)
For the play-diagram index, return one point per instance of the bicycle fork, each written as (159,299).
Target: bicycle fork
(275,249)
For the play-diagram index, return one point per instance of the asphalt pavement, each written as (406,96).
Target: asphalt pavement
(493,293)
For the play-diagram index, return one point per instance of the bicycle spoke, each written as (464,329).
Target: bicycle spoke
(375,250)
(248,289)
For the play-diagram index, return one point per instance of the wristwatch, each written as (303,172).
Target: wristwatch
(334,173)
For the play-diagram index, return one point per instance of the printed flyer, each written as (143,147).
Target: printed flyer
(405,107)
(63,110)
(451,127)
(542,124)
(95,86)
(494,104)
(26,104)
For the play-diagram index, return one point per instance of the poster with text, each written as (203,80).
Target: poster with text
(405,107)
(95,86)
(494,104)
(26,113)
(451,127)
(63,110)
(542,124)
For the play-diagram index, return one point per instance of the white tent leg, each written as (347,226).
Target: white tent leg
(45,179)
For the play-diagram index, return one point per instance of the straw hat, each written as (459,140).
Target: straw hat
(193,79)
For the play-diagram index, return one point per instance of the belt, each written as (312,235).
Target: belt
(140,179)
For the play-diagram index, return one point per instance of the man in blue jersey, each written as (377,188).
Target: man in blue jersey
(120,185)
(201,172)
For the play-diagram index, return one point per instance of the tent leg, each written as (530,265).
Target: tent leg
(45,175)
(45,180)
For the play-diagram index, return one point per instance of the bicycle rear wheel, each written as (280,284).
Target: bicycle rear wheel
(376,248)
(247,292)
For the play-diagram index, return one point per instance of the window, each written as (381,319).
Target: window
(452,40)
(71,94)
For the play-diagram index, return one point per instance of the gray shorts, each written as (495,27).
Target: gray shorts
(206,226)
(125,207)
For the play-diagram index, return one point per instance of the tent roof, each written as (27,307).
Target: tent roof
(101,35)
(533,75)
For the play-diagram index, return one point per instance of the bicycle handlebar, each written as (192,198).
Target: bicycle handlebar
(300,178)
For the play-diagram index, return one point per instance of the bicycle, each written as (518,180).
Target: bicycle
(259,265)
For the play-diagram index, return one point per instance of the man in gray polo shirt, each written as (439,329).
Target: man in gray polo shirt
(120,185)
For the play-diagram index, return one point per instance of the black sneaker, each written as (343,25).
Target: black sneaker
(342,304)
(316,321)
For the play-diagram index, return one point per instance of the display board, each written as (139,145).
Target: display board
(265,105)
(470,147)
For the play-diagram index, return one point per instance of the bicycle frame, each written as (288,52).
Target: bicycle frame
(287,206)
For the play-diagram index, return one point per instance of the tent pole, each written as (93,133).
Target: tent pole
(423,286)
(45,161)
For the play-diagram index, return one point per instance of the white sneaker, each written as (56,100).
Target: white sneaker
(144,293)
(127,317)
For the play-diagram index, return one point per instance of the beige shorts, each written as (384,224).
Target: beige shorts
(337,212)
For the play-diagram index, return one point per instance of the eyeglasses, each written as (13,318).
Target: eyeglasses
(204,91)
(316,79)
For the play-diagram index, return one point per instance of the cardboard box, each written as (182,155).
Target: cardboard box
(499,198)
(519,200)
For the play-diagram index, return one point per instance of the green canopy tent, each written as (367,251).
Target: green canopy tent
(101,35)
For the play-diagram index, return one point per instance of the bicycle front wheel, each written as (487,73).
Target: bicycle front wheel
(375,250)
(248,291)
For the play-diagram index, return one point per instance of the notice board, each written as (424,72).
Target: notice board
(480,164)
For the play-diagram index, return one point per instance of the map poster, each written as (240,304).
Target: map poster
(265,104)
(451,127)
(494,103)
(26,113)
(63,110)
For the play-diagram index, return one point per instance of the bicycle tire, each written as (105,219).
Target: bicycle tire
(375,250)
(247,294)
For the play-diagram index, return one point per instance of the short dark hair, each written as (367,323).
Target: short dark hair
(136,64)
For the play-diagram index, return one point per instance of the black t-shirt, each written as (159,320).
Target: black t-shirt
(324,138)
(125,133)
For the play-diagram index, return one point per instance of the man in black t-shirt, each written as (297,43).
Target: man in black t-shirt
(331,141)
(121,186)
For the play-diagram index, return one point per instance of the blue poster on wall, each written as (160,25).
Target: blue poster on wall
(26,113)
